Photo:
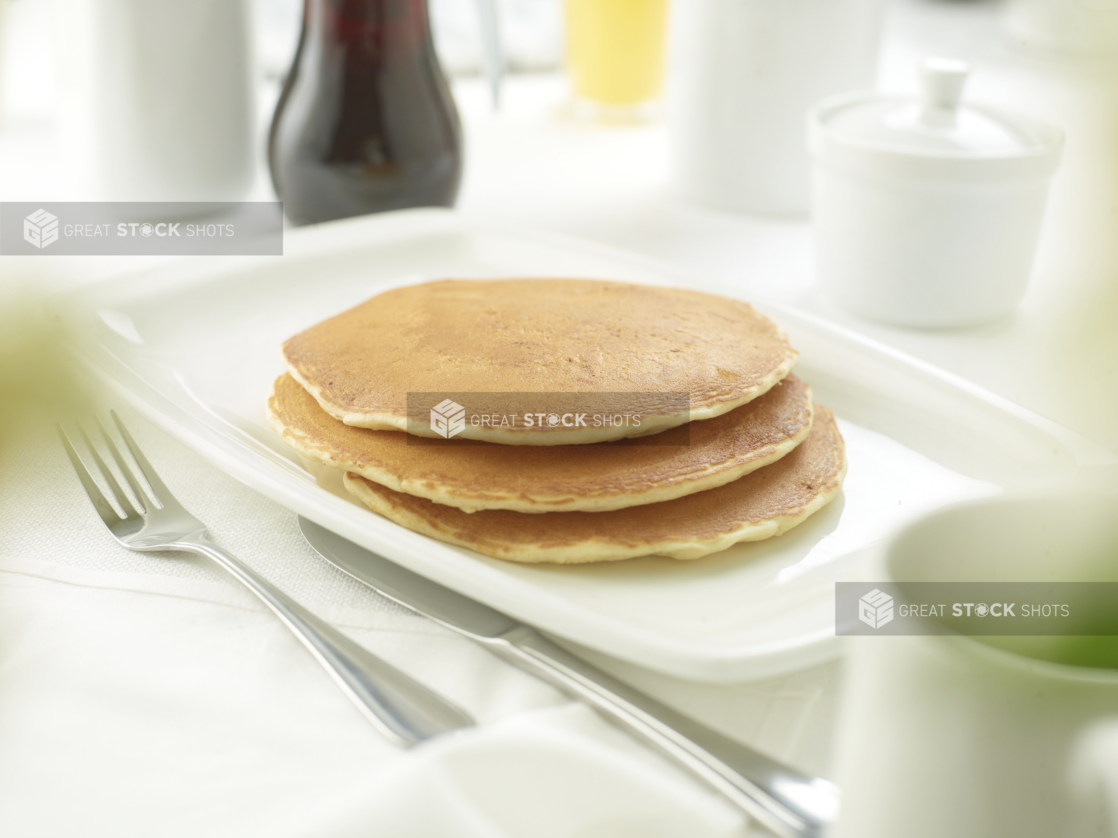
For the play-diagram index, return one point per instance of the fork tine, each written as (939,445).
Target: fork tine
(141,496)
(121,498)
(105,509)
(159,490)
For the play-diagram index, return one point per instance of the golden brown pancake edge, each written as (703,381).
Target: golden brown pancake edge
(476,476)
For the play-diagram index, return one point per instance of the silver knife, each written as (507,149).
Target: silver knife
(787,802)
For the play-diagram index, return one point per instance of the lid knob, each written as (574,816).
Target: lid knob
(942,81)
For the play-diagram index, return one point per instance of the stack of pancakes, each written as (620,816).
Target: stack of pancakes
(747,455)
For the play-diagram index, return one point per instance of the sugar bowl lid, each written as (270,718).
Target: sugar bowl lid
(936,132)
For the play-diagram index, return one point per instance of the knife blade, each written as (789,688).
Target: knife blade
(784,800)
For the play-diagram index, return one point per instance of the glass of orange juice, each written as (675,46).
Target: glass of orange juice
(615,56)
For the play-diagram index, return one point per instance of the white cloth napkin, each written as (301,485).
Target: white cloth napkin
(147,694)
(551,773)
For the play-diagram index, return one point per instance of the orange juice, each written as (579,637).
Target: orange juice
(615,50)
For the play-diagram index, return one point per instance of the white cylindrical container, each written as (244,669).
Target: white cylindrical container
(157,99)
(927,212)
(741,74)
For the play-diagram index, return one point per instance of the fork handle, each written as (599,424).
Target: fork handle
(403,709)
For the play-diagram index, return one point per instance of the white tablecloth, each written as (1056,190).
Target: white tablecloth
(145,693)
(148,694)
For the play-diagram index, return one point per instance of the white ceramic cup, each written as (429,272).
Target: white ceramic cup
(949,736)
(741,74)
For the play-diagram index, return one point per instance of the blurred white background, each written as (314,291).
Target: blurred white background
(532,163)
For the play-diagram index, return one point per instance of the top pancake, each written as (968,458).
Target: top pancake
(539,336)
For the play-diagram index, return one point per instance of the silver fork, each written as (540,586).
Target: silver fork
(404,710)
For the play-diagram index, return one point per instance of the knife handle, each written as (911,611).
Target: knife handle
(785,801)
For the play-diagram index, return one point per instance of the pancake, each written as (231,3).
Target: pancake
(677,355)
(760,505)
(607,475)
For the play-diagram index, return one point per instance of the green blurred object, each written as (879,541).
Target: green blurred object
(36,378)
(1096,651)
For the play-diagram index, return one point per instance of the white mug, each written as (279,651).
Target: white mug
(741,75)
(957,736)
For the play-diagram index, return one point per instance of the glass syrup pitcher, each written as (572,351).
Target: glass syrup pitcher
(365,122)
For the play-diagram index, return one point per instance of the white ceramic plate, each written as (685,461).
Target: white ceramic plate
(196,347)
